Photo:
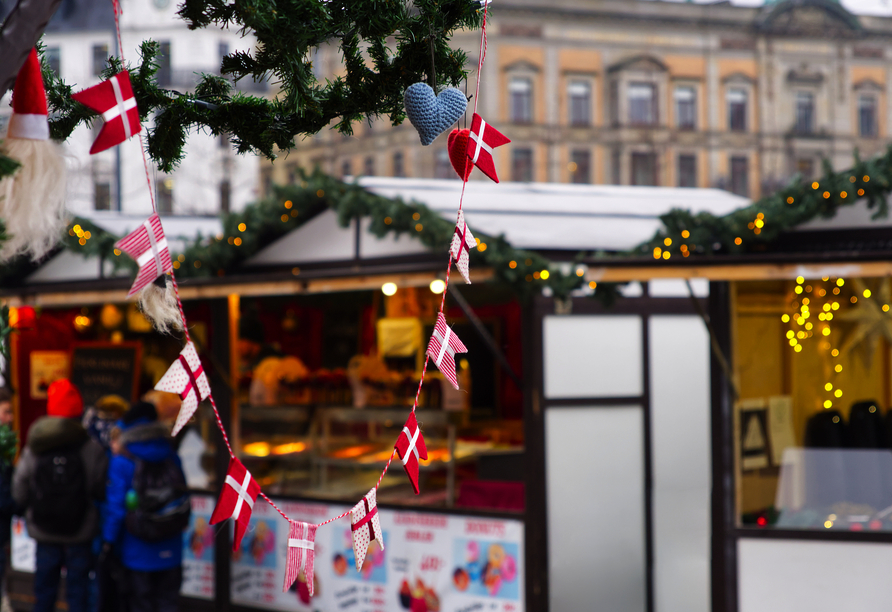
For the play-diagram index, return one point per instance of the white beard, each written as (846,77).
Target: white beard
(32,200)
(159,305)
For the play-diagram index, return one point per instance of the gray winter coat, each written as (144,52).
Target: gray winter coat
(49,433)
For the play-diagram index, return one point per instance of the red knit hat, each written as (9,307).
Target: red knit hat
(29,110)
(64,400)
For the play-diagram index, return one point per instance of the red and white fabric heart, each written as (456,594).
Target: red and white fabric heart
(443,346)
(147,245)
(115,101)
(411,448)
(301,554)
(236,501)
(187,378)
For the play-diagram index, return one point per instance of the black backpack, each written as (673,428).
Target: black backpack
(163,506)
(59,485)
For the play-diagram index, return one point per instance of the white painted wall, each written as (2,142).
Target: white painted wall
(792,575)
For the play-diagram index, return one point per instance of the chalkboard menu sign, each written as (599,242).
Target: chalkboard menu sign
(99,369)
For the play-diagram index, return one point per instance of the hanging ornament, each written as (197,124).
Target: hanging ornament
(443,346)
(147,245)
(411,448)
(457,145)
(32,199)
(236,501)
(460,249)
(432,114)
(186,377)
(301,554)
(158,303)
(114,100)
(484,139)
(366,526)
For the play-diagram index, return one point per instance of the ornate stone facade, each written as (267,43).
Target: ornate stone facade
(641,92)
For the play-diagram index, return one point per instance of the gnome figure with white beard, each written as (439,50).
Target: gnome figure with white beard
(32,200)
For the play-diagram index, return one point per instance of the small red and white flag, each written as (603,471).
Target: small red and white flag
(366,526)
(484,138)
(301,554)
(443,346)
(237,498)
(114,100)
(147,245)
(187,378)
(462,243)
(411,448)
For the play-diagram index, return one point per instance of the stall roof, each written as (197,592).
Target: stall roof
(543,216)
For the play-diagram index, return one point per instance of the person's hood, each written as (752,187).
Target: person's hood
(147,441)
(49,432)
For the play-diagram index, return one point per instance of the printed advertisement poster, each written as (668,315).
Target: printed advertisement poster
(23,548)
(46,368)
(198,550)
(430,563)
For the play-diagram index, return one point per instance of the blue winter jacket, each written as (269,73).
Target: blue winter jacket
(150,442)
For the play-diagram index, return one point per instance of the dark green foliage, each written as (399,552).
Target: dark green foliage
(9,444)
(793,205)
(385,47)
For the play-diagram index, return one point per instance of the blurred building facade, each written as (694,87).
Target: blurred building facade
(639,92)
(212,178)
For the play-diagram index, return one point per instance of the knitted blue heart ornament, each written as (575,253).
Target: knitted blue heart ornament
(432,115)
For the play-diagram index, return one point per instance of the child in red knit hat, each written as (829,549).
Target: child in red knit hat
(64,400)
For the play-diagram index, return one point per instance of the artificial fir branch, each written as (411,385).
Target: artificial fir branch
(384,46)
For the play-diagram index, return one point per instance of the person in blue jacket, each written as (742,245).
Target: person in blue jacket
(154,567)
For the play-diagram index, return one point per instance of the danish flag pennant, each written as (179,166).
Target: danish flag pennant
(114,100)
(462,243)
(366,526)
(187,378)
(410,446)
(301,554)
(237,498)
(443,346)
(484,138)
(147,245)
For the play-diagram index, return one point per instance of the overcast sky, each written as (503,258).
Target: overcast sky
(860,7)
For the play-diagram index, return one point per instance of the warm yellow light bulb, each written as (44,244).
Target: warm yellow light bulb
(437,286)
(798,348)
(828,387)
(785,318)
(866,293)
(388,289)
(838,368)
(826,331)
(838,393)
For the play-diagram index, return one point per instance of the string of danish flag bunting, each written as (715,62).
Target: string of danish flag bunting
(187,377)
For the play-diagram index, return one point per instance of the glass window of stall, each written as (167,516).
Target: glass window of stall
(327,381)
(813,429)
(114,356)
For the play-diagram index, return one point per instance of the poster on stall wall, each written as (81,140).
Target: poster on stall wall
(23,549)
(46,368)
(430,563)
(198,551)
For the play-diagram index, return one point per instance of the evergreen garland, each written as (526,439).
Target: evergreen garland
(754,227)
(385,44)
(9,445)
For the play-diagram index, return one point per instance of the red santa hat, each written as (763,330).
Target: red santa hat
(29,110)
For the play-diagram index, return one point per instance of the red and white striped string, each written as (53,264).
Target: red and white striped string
(219,420)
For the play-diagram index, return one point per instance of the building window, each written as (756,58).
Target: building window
(225,196)
(102,196)
(687,171)
(521,92)
(740,176)
(805,168)
(642,104)
(685,108)
(644,169)
(867,116)
(164,195)
(805,112)
(737,109)
(399,168)
(346,168)
(100,55)
(222,50)
(442,166)
(53,57)
(369,166)
(522,165)
(266,181)
(580,166)
(164,75)
(580,95)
